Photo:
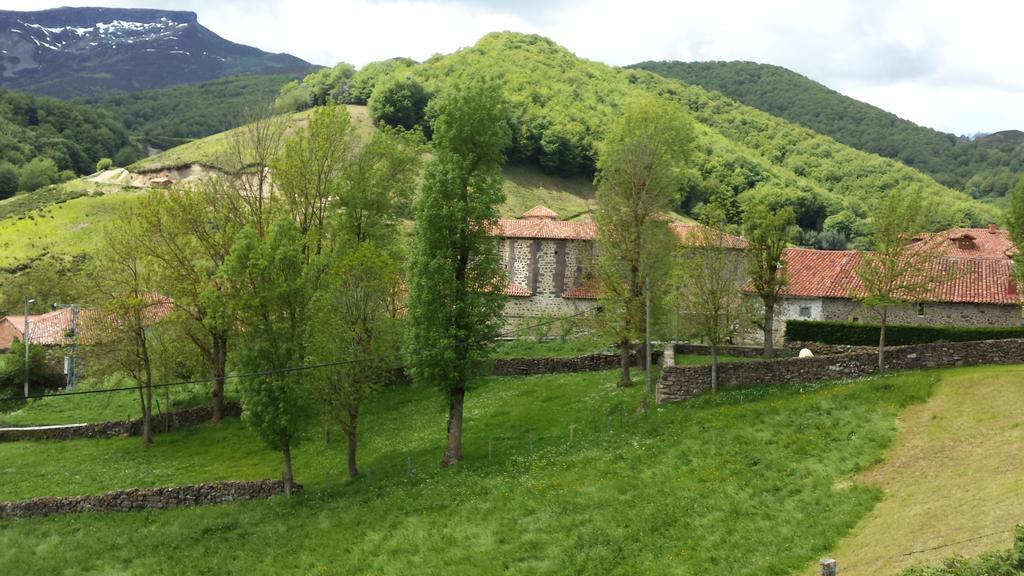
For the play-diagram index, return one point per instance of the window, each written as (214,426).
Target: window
(920,309)
(805,311)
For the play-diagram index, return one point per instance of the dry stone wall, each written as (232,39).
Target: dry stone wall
(161,422)
(677,383)
(533,366)
(146,498)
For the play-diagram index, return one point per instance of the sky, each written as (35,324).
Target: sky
(953,66)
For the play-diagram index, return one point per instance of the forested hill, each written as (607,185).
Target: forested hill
(68,52)
(985,168)
(562,105)
(166,117)
(43,140)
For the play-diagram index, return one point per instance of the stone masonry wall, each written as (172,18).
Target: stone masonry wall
(146,498)
(533,366)
(677,383)
(941,314)
(161,422)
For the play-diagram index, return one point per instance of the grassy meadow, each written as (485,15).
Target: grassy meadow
(743,482)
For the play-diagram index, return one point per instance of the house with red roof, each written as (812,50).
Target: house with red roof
(976,290)
(547,263)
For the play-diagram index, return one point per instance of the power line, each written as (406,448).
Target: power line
(941,546)
(290,369)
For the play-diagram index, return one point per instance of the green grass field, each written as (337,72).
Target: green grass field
(745,482)
(955,476)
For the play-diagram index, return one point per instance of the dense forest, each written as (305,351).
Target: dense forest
(562,105)
(167,117)
(44,140)
(985,168)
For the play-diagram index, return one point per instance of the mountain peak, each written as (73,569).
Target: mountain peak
(69,52)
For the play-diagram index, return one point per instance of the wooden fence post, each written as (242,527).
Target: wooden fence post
(828,567)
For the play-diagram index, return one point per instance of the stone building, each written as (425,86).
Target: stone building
(549,266)
(823,285)
(549,263)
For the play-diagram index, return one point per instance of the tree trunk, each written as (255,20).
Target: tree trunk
(287,452)
(881,342)
(714,368)
(220,361)
(769,328)
(624,378)
(350,432)
(453,453)
(147,416)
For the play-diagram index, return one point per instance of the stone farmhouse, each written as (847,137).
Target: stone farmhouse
(549,264)
(50,329)
(823,284)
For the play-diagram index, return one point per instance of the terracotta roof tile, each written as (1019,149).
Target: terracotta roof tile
(545,229)
(833,274)
(691,233)
(541,211)
(515,290)
(583,293)
(972,242)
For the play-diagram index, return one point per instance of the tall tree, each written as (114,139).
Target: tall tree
(455,280)
(355,317)
(253,148)
(270,298)
(187,233)
(712,273)
(1015,224)
(767,232)
(640,175)
(120,330)
(897,270)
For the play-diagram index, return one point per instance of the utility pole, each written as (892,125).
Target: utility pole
(25,334)
(647,344)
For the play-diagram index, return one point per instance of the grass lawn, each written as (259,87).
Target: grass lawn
(106,406)
(745,482)
(955,472)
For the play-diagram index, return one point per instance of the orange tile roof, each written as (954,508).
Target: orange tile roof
(989,242)
(833,274)
(545,229)
(540,211)
(515,290)
(583,293)
(53,328)
(689,233)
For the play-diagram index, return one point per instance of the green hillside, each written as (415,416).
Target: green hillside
(169,116)
(985,168)
(562,105)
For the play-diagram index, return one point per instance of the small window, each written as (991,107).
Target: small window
(920,309)
(805,311)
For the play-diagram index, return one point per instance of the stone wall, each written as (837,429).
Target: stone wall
(545,268)
(941,314)
(705,350)
(677,383)
(161,422)
(146,498)
(533,366)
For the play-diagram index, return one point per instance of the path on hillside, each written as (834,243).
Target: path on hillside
(955,474)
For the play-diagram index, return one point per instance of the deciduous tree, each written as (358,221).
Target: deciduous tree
(270,299)
(897,270)
(767,232)
(455,280)
(354,323)
(639,181)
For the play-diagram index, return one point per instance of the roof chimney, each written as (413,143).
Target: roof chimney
(992,228)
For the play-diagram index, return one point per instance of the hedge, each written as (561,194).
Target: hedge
(856,334)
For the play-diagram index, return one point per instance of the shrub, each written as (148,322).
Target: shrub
(8,180)
(104,164)
(399,102)
(36,174)
(855,334)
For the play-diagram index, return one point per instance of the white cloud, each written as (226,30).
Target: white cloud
(950,65)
